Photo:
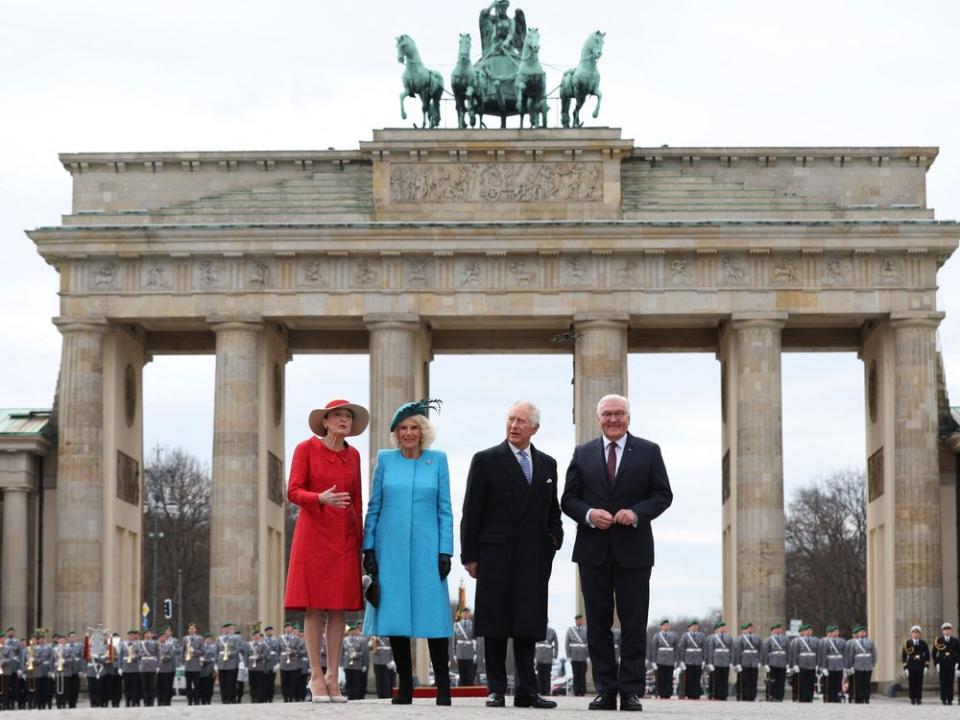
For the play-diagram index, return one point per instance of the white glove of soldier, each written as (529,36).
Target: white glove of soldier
(906,673)
(738,669)
(824,672)
(653,665)
(956,673)
(796,669)
(766,668)
(709,668)
(683,666)
(391,665)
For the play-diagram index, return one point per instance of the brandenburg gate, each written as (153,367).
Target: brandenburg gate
(448,241)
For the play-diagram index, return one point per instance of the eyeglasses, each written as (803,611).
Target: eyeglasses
(618,414)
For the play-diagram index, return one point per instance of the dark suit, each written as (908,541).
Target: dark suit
(512,531)
(616,562)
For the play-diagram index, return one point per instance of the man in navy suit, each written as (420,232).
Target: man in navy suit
(616,485)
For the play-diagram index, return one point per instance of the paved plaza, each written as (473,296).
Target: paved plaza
(880,708)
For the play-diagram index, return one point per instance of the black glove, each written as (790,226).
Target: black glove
(444,566)
(370,562)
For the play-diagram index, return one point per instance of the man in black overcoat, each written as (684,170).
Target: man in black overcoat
(509,533)
(616,485)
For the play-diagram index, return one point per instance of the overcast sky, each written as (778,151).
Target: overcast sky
(205,75)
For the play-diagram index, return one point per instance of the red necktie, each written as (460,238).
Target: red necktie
(612,464)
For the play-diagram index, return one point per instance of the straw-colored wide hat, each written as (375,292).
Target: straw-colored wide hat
(361,417)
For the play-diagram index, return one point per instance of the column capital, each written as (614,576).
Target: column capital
(90,325)
(618,321)
(221,323)
(393,321)
(745,320)
(6,489)
(916,319)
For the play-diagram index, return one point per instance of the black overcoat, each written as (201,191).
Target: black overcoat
(641,485)
(512,531)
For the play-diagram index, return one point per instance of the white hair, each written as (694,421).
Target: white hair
(610,398)
(428,433)
(531,408)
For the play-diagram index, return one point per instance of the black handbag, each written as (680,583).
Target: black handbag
(371,590)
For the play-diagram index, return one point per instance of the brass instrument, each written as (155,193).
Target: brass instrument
(255,656)
(31,664)
(226,650)
(188,653)
(59,670)
(131,652)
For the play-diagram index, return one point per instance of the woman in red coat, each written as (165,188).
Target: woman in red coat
(324,574)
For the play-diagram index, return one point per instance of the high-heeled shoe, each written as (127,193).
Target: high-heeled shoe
(334,698)
(316,697)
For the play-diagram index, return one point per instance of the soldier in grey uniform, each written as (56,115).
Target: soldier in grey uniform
(168,650)
(718,654)
(62,667)
(43,673)
(746,662)
(465,648)
(270,677)
(75,654)
(575,644)
(773,657)
(111,680)
(383,667)
(690,653)
(149,665)
(257,665)
(662,657)
(208,667)
(10,665)
(191,651)
(230,650)
(289,663)
(94,673)
(305,669)
(544,653)
(802,658)
(861,659)
(130,668)
(831,663)
(356,656)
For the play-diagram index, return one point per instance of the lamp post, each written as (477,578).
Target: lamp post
(155,536)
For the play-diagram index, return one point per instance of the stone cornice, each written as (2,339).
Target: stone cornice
(152,162)
(768,156)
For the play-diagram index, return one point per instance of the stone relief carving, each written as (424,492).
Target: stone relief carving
(497,182)
(313,272)
(520,274)
(128,478)
(576,269)
(157,277)
(366,274)
(469,275)
(208,274)
(785,272)
(628,271)
(105,276)
(836,271)
(274,478)
(732,271)
(259,274)
(891,271)
(417,272)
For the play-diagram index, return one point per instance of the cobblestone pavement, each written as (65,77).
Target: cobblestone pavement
(880,708)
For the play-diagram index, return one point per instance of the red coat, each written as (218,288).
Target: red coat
(324,568)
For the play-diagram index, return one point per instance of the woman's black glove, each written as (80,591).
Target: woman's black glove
(370,562)
(444,566)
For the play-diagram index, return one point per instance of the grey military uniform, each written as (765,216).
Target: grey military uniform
(273,647)
(289,653)
(719,650)
(168,652)
(208,660)
(662,648)
(831,654)
(803,653)
(130,656)
(10,656)
(464,642)
(773,652)
(149,656)
(191,645)
(258,655)
(860,655)
(548,649)
(230,649)
(575,643)
(356,652)
(746,651)
(40,664)
(690,648)
(382,652)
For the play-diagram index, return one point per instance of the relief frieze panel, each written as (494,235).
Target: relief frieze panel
(209,274)
(496,182)
(836,271)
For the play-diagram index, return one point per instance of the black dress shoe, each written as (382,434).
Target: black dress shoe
(630,702)
(533,701)
(496,700)
(402,700)
(604,701)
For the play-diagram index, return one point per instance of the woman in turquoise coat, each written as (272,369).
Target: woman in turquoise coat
(407,545)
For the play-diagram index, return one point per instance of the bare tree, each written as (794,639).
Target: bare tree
(177,504)
(825,533)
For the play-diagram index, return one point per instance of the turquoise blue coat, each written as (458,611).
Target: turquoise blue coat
(409,523)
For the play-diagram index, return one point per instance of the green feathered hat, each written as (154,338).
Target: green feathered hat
(746,625)
(421,407)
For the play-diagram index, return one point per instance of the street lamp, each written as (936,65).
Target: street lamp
(156,536)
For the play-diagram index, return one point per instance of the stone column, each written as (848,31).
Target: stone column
(79,505)
(599,368)
(917,574)
(234,511)
(13,591)
(395,366)
(759,471)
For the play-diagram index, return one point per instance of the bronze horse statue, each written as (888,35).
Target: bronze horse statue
(419,80)
(582,81)
(466,83)
(531,82)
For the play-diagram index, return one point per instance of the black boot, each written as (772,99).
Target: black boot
(440,658)
(404,662)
